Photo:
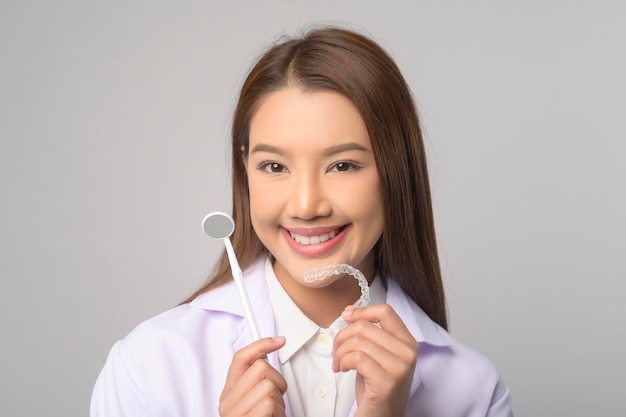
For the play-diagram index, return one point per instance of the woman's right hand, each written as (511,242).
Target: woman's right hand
(253,387)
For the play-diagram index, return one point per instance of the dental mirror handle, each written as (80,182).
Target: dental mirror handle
(243,293)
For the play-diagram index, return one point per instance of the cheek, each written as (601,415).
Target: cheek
(264,203)
(365,200)
(374,214)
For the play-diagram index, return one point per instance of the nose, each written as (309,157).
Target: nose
(307,199)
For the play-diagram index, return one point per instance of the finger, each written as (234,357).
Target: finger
(385,394)
(359,344)
(258,371)
(389,352)
(383,314)
(264,395)
(267,408)
(366,367)
(260,377)
(245,357)
(403,345)
(258,350)
(395,352)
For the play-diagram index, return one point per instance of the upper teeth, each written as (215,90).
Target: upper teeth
(313,240)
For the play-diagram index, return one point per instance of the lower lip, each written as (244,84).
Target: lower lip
(315,250)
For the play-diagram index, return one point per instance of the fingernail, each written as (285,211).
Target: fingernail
(278,339)
(347,312)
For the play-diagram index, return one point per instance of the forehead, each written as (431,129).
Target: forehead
(290,116)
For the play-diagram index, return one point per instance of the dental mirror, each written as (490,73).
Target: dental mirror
(220,226)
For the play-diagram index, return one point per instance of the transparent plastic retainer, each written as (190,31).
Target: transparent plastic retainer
(321,272)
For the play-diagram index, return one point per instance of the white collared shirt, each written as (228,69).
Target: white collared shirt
(306,359)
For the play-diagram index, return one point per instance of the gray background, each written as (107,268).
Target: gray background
(114,136)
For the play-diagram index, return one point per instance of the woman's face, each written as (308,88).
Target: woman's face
(314,189)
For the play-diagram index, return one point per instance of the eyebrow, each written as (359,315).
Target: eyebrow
(333,150)
(344,147)
(262,147)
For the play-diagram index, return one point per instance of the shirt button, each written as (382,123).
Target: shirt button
(320,392)
(322,338)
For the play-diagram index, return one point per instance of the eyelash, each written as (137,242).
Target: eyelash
(269,166)
(351,166)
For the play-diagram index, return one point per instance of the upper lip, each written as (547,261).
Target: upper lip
(312,231)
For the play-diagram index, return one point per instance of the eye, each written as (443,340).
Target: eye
(344,166)
(272,167)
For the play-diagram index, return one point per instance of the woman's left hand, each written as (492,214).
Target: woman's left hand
(383,355)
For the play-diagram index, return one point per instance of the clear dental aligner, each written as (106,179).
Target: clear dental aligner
(321,272)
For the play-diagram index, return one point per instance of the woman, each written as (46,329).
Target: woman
(328,167)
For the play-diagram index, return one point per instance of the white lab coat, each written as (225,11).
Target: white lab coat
(175,364)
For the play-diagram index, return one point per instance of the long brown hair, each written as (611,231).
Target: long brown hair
(351,64)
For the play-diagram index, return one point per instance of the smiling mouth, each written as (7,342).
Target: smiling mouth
(316,240)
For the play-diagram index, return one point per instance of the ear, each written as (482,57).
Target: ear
(244,157)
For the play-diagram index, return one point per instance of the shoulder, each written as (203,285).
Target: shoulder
(171,364)
(182,323)
(451,375)
(214,317)
(189,347)
(457,380)
(185,346)
(180,335)
(215,312)
(457,367)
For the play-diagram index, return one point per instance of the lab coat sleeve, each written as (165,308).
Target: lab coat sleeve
(500,402)
(487,395)
(117,392)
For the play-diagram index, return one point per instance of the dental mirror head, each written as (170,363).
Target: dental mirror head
(218,225)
